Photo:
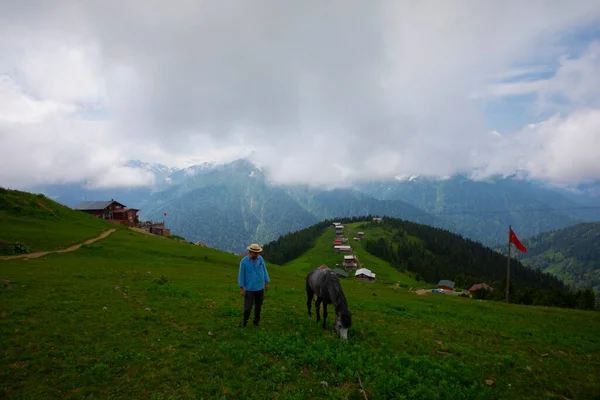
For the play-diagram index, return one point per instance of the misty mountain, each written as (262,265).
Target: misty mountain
(228,205)
(483,210)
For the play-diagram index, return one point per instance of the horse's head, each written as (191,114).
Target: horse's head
(342,323)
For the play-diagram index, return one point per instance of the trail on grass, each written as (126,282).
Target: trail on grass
(71,248)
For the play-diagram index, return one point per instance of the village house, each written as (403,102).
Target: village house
(340,273)
(201,244)
(377,219)
(342,249)
(360,235)
(337,243)
(445,284)
(357,239)
(350,262)
(478,286)
(110,210)
(365,275)
(155,228)
(339,229)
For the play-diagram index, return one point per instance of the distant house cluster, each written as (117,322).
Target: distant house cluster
(116,212)
(350,260)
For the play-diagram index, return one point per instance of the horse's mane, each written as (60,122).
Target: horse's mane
(336,293)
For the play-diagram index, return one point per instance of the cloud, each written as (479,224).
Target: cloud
(316,92)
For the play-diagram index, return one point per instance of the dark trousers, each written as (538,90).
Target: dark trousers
(254,298)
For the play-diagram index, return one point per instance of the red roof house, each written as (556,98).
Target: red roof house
(480,286)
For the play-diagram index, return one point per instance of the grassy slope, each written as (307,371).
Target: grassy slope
(60,342)
(42,224)
(323,253)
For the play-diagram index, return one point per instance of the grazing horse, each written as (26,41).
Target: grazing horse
(326,285)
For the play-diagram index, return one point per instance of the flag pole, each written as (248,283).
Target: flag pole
(508,265)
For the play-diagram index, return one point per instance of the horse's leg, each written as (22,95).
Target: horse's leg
(317,307)
(309,295)
(324,313)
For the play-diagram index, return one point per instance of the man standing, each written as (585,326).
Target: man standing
(253,280)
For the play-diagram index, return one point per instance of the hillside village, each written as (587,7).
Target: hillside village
(350,260)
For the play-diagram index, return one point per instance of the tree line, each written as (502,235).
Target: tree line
(434,254)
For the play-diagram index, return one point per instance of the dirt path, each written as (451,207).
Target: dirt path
(71,248)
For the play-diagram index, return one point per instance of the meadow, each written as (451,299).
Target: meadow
(41,224)
(138,316)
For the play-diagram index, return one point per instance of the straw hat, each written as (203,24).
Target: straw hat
(255,248)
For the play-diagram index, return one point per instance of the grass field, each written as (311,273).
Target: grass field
(137,316)
(43,225)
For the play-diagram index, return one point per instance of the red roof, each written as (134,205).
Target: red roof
(337,242)
(479,286)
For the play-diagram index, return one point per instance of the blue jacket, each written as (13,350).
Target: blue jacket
(253,274)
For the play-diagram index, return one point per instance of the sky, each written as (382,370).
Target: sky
(314,92)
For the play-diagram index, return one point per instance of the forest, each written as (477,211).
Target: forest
(438,254)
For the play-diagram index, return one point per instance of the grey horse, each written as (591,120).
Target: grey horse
(326,285)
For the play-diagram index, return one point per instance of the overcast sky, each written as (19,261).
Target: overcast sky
(318,91)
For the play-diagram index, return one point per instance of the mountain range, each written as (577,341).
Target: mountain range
(230,205)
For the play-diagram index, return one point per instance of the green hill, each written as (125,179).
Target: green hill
(138,316)
(572,254)
(35,223)
(428,255)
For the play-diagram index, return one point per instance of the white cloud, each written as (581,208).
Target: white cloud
(316,92)
(17,108)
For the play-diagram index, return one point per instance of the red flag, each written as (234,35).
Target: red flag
(515,240)
(165,214)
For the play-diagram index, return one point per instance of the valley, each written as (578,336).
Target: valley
(135,315)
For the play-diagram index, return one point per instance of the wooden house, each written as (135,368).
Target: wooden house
(365,275)
(342,249)
(377,219)
(350,262)
(339,229)
(340,273)
(478,286)
(155,228)
(338,243)
(111,210)
(360,235)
